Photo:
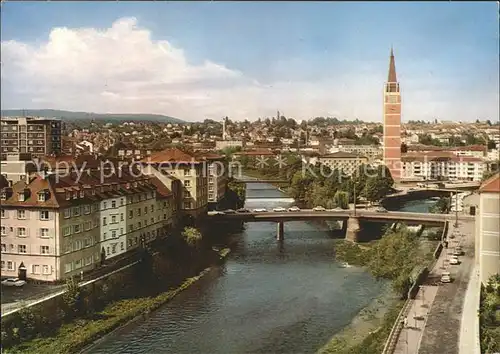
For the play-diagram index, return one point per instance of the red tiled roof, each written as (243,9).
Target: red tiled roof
(170,155)
(491,185)
(161,189)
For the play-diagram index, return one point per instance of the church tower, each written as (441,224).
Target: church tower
(392,122)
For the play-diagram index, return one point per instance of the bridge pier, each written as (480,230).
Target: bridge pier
(352,229)
(280,231)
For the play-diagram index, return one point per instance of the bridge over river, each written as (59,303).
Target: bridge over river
(351,217)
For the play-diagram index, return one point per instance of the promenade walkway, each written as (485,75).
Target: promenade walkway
(469,332)
(433,317)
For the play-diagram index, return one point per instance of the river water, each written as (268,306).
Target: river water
(267,298)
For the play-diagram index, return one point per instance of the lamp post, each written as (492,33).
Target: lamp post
(456,209)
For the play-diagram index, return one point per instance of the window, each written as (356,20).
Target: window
(122,201)
(46,269)
(4,247)
(44,232)
(122,246)
(3,213)
(187,205)
(105,235)
(3,230)
(3,264)
(121,231)
(21,231)
(164,216)
(121,217)
(113,204)
(87,242)
(86,209)
(44,249)
(41,197)
(35,269)
(107,250)
(66,230)
(187,183)
(76,211)
(21,214)
(44,215)
(104,221)
(104,205)
(113,219)
(67,213)
(76,228)
(113,233)
(88,260)
(152,220)
(87,225)
(139,225)
(187,172)
(113,248)
(139,212)
(68,267)
(145,210)
(21,248)
(131,214)
(10,265)
(78,245)
(21,196)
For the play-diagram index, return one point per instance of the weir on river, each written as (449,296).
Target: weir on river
(269,297)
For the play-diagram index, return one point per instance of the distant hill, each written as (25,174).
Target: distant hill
(69,115)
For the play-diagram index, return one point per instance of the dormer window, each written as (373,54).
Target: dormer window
(93,191)
(21,196)
(82,194)
(75,195)
(3,195)
(42,196)
(68,195)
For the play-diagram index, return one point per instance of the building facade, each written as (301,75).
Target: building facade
(343,161)
(36,136)
(56,226)
(392,122)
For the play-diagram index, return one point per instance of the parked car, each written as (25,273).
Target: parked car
(454,260)
(279,210)
(294,209)
(13,282)
(215,212)
(229,211)
(381,210)
(445,277)
(457,252)
(319,208)
(243,210)
(337,209)
(260,210)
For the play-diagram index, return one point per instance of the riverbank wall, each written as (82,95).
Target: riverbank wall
(393,202)
(49,312)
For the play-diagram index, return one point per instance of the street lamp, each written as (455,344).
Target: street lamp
(456,208)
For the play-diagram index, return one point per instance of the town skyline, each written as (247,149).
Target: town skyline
(291,66)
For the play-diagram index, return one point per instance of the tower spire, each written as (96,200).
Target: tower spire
(392,68)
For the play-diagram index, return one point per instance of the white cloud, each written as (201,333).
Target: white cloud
(122,69)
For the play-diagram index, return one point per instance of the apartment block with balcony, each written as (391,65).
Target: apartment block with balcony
(36,136)
(217,177)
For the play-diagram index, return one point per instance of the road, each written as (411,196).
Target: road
(13,297)
(434,316)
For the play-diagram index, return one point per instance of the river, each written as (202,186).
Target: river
(267,298)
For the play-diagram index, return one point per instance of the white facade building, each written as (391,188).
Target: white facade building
(113,225)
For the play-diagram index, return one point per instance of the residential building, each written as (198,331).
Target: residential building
(488,228)
(189,169)
(217,177)
(372,152)
(342,161)
(37,136)
(223,144)
(392,122)
(442,166)
(56,226)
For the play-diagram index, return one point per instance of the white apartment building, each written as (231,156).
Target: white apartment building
(442,166)
(113,223)
(372,152)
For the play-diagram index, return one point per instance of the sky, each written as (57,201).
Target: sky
(245,60)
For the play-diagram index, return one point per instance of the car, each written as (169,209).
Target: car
(260,210)
(215,212)
(294,209)
(13,282)
(337,209)
(319,208)
(279,210)
(243,210)
(457,252)
(229,211)
(454,260)
(445,277)
(381,210)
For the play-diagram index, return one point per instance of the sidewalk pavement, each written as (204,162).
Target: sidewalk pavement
(469,327)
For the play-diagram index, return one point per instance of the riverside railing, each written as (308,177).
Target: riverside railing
(392,340)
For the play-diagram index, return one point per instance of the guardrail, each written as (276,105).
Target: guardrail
(392,340)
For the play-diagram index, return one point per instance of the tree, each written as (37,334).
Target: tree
(192,236)
(341,200)
(378,186)
(491,145)
(73,298)
(404,148)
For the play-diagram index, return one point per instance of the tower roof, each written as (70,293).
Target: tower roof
(392,69)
